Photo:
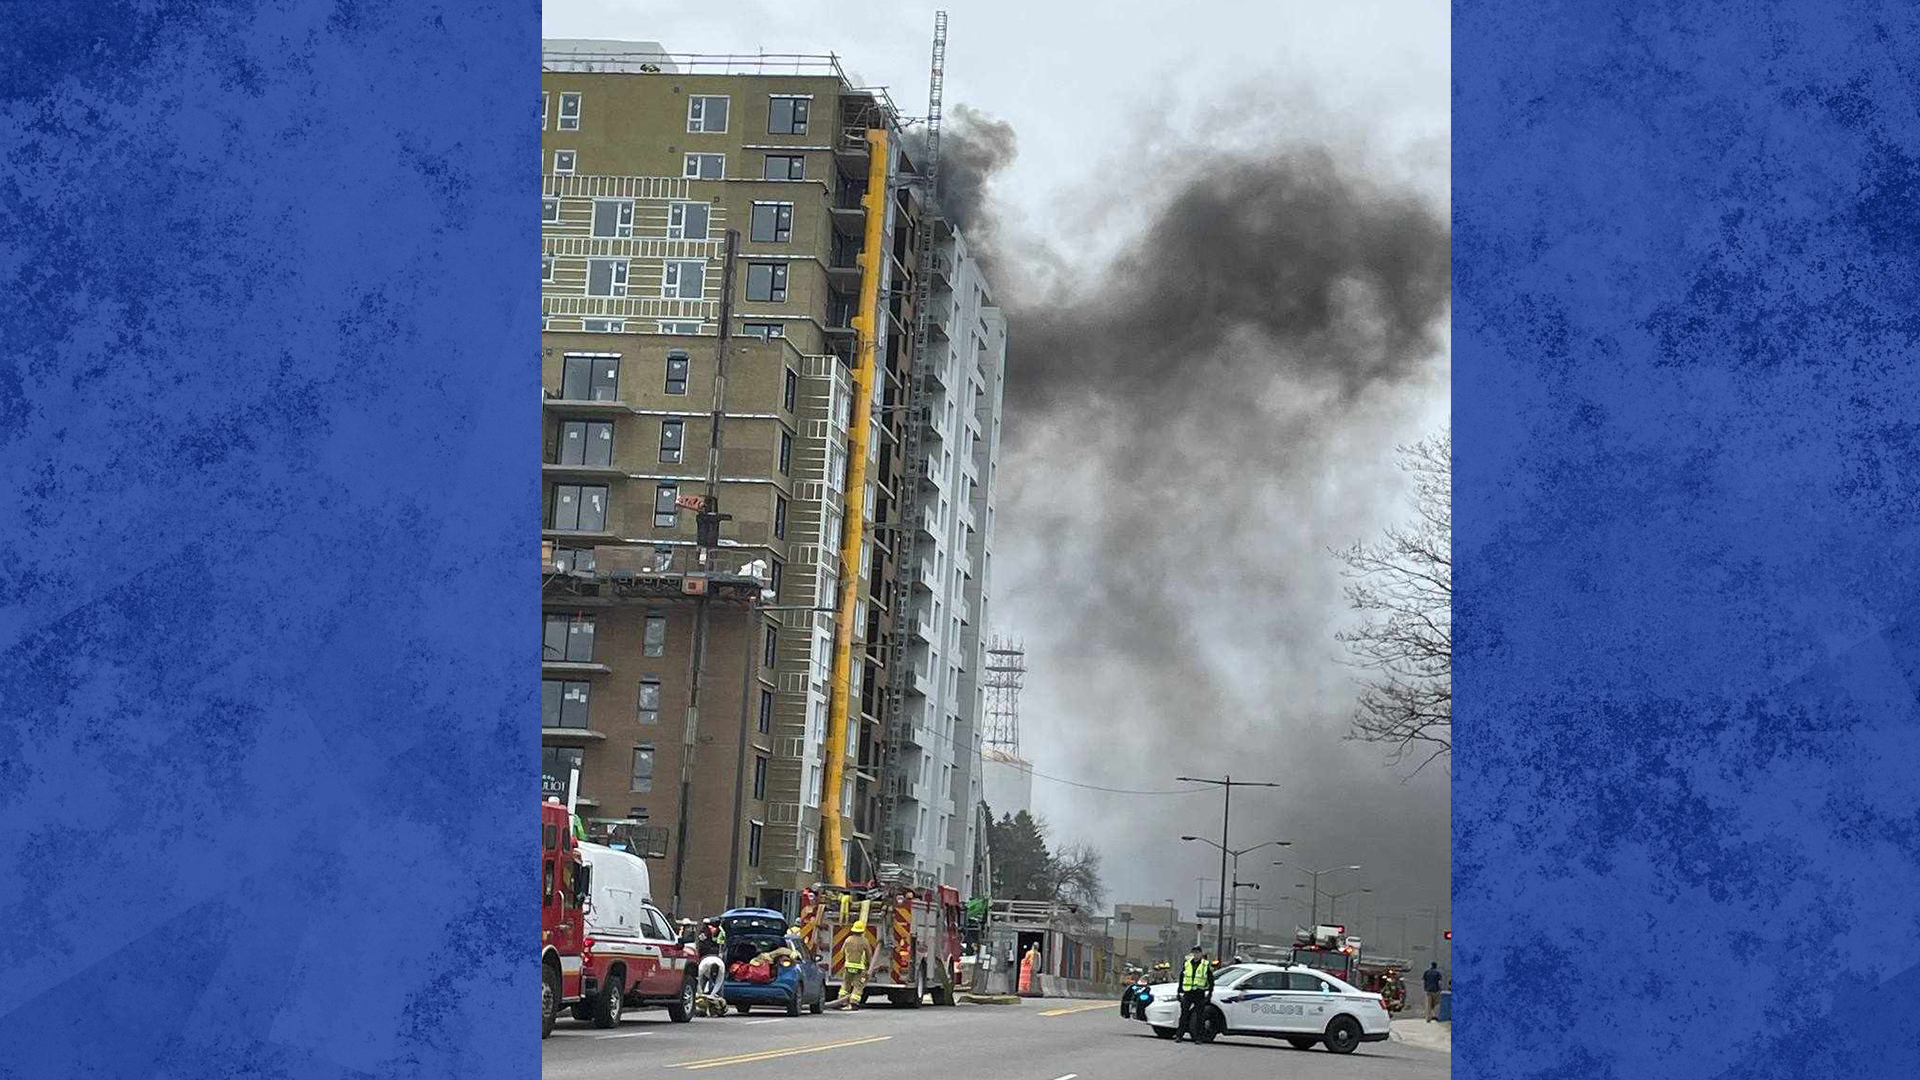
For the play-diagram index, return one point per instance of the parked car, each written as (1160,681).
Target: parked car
(1295,1003)
(796,984)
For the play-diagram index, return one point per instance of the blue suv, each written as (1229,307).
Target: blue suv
(752,931)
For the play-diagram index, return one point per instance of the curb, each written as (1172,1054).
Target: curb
(991,999)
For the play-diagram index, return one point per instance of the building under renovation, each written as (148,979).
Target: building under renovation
(769,372)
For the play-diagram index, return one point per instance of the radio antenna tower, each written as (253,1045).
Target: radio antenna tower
(1006,677)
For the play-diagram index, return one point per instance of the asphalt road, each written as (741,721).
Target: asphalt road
(1035,1040)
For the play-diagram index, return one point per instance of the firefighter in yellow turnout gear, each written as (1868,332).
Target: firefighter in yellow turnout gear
(857,952)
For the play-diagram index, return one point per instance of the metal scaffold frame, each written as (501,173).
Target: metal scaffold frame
(907,504)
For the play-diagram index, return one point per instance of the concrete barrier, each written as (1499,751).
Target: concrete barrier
(1055,986)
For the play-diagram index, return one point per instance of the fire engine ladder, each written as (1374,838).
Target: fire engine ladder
(906,518)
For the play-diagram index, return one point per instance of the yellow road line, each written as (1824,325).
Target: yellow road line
(769,1055)
(1085,1007)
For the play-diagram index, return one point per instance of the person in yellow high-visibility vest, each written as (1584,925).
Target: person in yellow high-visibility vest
(1196,989)
(856,951)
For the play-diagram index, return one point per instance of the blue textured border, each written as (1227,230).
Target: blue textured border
(1687,301)
(268,490)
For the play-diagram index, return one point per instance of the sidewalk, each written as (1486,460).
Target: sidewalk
(1417,1032)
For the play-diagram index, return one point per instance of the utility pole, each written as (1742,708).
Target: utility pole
(707,519)
(1226,784)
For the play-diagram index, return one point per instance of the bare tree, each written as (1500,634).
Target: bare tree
(1076,875)
(1402,585)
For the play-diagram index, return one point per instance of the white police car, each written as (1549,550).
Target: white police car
(1298,1003)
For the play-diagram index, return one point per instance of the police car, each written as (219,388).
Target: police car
(1295,1003)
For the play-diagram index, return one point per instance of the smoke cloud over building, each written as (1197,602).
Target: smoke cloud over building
(1191,425)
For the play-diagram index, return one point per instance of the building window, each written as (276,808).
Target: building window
(563,161)
(786,453)
(753,843)
(677,373)
(773,576)
(772,223)
(569,112)
(766,711)
(586,442)
(666,512)
(705,166)
(563,704)
(606,277)
(672,434)
(569,639)
(759,777)
(590,378)
(602,326)
(573,560)
(545,108)
(779,517)
(642,768)
(684,279)
(763,330)
(557,766)
(688,220)
(612,218)
(549,211)
(787,115)
(707,114)
(649,701)
(684,329)
(767,281)
(546,268)
(578,508)
(784,167)
(791,393)
(654,638)
(773,646)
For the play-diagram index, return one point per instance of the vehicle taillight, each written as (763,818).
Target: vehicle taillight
(586,946)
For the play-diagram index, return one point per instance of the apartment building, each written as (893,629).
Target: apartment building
(938,759)
(651,162)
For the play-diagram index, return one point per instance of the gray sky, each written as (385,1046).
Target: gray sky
(1163,551)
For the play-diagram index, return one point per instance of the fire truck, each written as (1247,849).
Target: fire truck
(563,902)
(1330,949)
(914,929)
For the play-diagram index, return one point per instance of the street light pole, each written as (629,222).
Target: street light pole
(1221,926)
(1315,874)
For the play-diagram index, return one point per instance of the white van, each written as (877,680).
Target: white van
(634,957)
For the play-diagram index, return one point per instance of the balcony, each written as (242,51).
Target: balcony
(906,788)
(552,402)
(942,272)
(922,626)
(573,667)
(925,577)
(570,735)
(554,470)
(927,523)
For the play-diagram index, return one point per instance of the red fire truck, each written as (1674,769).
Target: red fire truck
(563,901)
(1332,951)
(915,930)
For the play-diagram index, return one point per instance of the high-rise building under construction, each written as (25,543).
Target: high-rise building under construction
(734,251)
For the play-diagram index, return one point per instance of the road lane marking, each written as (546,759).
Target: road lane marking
(769,1055)
(774,1020)
(1069,1076)
(1071,1009)
(623,1035)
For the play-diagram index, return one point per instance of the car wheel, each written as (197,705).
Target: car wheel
(608,1005)
(1302,1042)
(819,1003)
(1212,1026)
(793,1002)
(549,1000)
(1343,1035)
(681,1011)
(743,1008)
(1165,1032)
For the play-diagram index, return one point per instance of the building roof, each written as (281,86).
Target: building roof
(590,54)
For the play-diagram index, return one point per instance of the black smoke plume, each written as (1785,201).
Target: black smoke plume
(1189,428)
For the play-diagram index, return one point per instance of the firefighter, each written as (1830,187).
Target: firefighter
(856,952)
(1196,989)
